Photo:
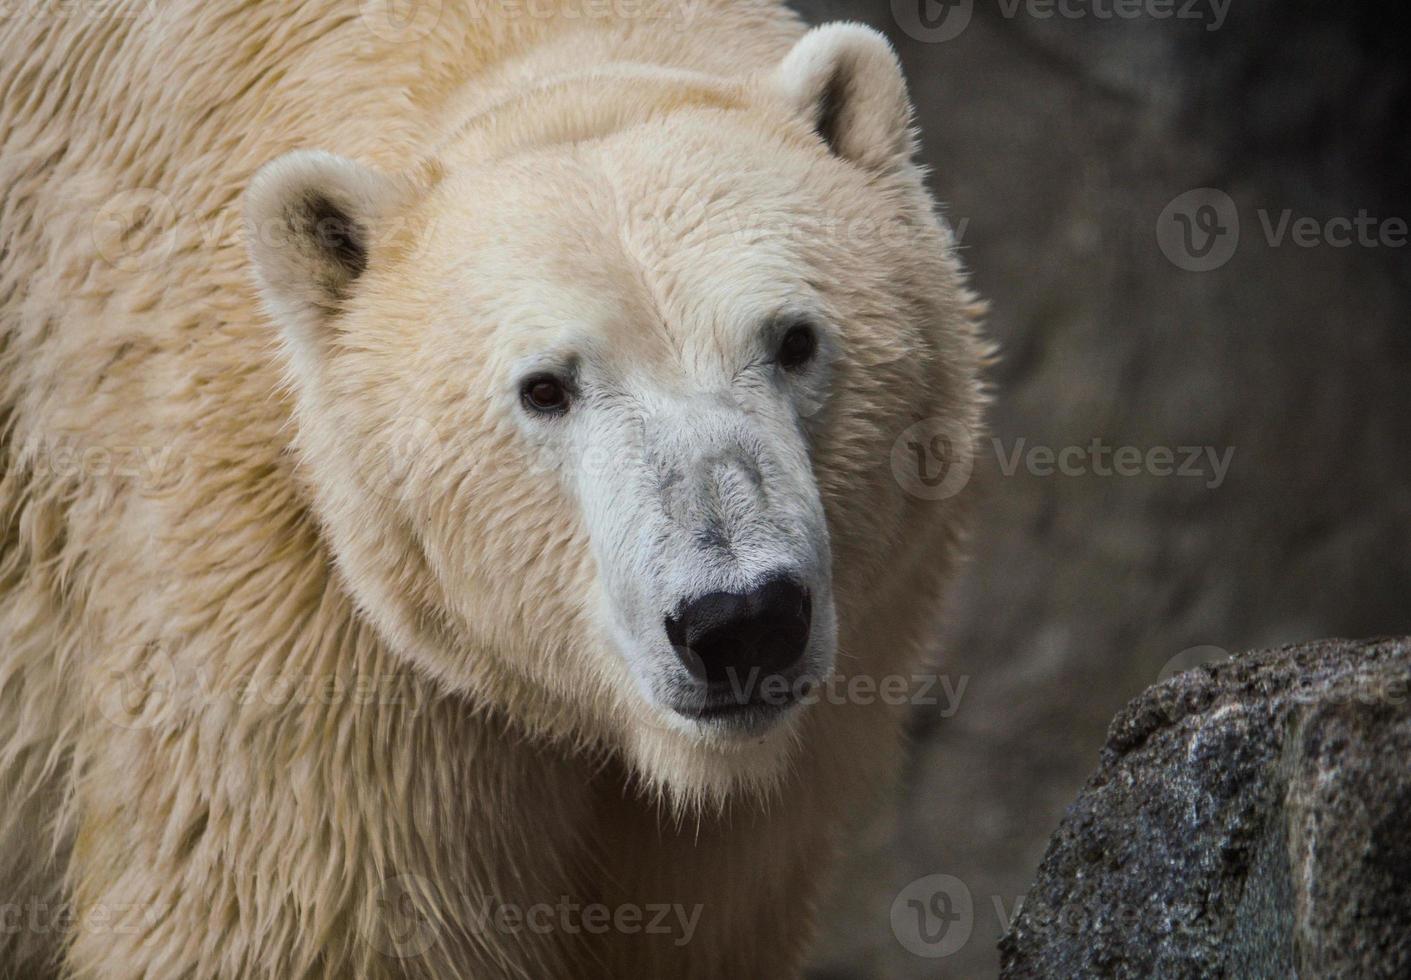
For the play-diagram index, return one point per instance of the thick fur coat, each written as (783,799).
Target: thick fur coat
(275,702)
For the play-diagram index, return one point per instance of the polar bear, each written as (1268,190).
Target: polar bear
(450,457)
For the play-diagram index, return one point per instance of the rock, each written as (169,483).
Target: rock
(1249,819)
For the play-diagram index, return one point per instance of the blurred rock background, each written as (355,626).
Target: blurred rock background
(1062,147)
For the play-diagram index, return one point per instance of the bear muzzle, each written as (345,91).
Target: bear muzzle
(742,648)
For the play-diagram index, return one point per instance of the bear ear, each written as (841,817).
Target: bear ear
(846,80)
(309,219)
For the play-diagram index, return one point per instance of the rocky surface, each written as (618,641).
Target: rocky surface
(1056,144)
(1251,819)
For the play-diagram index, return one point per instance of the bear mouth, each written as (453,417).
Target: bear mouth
(729,710)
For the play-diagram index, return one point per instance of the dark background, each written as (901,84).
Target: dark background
(1056,144)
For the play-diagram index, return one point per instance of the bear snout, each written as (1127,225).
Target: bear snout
(728,640)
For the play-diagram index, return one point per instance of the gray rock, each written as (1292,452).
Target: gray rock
(1249,819)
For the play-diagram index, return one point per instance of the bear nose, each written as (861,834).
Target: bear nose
(722,636)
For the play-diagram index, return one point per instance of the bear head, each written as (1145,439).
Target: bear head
(597,406)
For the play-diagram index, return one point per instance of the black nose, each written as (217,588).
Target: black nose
(723,636)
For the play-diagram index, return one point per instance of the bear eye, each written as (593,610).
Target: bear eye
(797,347)
(544,394)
